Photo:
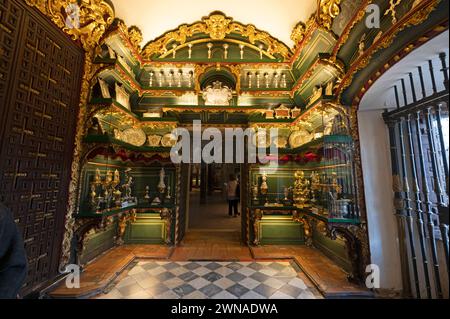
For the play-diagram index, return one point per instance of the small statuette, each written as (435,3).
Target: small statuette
(98,178)
(180,78)
(168,196)
(161,78)
(261,47)
(250,77)
(190,76)
(150,81)
(174,53)
(241,47)
(225,53)
(283,81)
(161,185)
(276,77)
(127,185)
(266,78)
(255,192)
(190,51)
(171,74)
(156,201)
(301,189)
(264,187)
(209,46)
(147,192)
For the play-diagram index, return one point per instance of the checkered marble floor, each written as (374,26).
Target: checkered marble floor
(212,280)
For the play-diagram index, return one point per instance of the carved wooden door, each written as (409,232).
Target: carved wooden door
(40,76)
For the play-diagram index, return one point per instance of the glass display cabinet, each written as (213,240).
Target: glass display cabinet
(312,178)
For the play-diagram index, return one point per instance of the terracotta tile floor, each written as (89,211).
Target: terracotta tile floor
(209,246)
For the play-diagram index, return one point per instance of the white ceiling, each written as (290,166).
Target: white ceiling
(155,17)
(381,94)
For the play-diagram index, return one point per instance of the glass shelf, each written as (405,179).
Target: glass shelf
(117,211)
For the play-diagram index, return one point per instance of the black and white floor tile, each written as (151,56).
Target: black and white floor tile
(212,280)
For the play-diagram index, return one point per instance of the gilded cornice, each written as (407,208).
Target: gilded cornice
(95,16)
(212,109)
(414,17)
(334,63)
(217,26)
(398,57)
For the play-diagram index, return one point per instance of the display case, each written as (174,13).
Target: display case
(311,178)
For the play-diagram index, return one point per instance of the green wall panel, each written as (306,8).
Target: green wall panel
(334,249)
(146,230)
(274,231)
(98,243)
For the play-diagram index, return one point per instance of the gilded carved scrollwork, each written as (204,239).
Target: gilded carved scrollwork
(86,228)
(307,226)
(201,69)
(357,245)
(167,216)
(217,26)
(328,10)
(133,34)
(298,34)
(124,219)
(256,218)
(85,20)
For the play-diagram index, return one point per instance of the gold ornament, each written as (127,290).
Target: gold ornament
(298,34)
(135,36)
(328,10)
(392,6)
(92,20)
(301,189)
(217,26)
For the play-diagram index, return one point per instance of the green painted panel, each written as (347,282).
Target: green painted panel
(334,249)
(281,232)
(98,243)
(321,42)
(145,231)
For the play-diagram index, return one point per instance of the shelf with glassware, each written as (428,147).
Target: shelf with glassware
(138,196)
(314,170)
(111,186)
(145,148)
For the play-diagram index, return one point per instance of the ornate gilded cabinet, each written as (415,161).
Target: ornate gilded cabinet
(129,188)
(227,75)
(307,193)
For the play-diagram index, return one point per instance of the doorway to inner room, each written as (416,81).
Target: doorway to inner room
(208,210)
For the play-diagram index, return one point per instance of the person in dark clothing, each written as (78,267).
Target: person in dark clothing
(233,193)
(13,261)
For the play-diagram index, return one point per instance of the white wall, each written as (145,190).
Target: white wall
(382,224)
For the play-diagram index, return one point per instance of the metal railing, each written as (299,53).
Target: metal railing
(418,133)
